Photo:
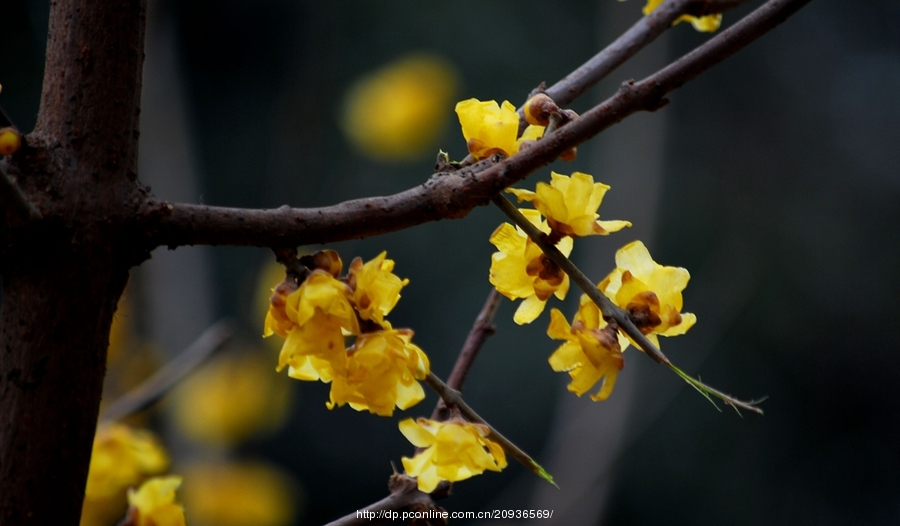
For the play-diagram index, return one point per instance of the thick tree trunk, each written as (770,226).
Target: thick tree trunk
(63,274)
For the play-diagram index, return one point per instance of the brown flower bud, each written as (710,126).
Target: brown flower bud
(569,155)
(539,108)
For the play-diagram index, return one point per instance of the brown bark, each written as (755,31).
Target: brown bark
(63,274)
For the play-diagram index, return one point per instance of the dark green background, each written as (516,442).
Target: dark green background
(783,159)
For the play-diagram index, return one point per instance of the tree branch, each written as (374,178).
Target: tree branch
(481,330)
(404,496)
(450,194)
(609,309)
(151,389)
(451,397)
(19,210)
(638,36)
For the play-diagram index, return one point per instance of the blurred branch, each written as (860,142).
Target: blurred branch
(481,330)
(19,210)
(609,309)
(404,496)
(450,194)
(153,388)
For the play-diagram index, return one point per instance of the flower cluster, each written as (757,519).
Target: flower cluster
(649,292)
(520,269)
(380,369)
(454,450)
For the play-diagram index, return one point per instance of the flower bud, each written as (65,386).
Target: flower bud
(569,155)
(10,141)
(539,108)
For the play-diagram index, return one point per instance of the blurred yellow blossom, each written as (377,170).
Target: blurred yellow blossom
(239,494)
(649,291)
(570,204)
(229,399)
(590,353)
(376,289)
(10,141)
(121,457)
(708,23)
(129,359)
(455,450)
(398,111)
(153,504)
(521,270)
(382,370)
(490,129)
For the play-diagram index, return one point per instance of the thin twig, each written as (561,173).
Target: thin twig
(628,44)
(608,308)
(404,496)
(287,257)
(447,194)
(481,330)
(153,388)
(19,210)
(452,398)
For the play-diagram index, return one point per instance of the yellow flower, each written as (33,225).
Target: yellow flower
(570,204)
(382,369)
(314,319)
(455,451)
(121,457)
(239,494)
(708,23)
(490,129)
(376,289)
(590,354)
(649,291)
(521,270)
(154,503)
(399,111)
(231,399)
(315,350)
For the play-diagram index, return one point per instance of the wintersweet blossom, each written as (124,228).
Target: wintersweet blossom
(649,291)
(382,369)
(707,24)
(318,315)
(490,129)
(521,270)
(242,493)
(376,289)
(398,111)
(570,204)
(154,503)
(230,399)
(121,457)
(589,354)
(455,450)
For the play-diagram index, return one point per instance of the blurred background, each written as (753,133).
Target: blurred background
(774,178)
